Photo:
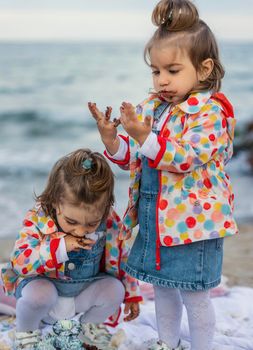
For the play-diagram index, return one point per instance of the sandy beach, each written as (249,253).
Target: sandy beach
(238,256)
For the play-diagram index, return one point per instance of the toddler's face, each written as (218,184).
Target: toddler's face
(79,220)
(174,75)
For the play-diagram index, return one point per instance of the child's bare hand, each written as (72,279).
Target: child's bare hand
(136,129)
(106,127)
(77,243)
(133,311)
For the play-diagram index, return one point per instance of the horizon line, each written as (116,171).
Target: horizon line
(97,40)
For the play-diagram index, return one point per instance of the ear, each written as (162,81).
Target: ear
(205,69)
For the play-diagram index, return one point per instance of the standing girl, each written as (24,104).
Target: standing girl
(180,139)
(69,252)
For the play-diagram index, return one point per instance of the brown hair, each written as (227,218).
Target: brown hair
(178,21)
(80,177)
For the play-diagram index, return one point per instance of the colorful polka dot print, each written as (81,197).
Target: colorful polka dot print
(35,246)
(196,199)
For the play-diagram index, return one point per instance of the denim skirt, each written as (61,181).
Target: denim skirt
(195,266)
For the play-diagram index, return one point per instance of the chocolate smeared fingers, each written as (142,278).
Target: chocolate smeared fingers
(116,122)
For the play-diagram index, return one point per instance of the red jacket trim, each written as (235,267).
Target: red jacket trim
(154,163)
(158,241)
(54,244)
(115,322)
(127,157)
(133,299)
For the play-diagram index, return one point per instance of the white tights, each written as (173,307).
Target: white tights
(98,301)
(200,312)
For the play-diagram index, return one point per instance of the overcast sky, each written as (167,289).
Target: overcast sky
(112,19)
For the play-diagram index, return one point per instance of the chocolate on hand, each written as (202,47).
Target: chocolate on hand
(81,242)
(116,122)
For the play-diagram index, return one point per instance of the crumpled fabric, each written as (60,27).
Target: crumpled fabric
(65,336)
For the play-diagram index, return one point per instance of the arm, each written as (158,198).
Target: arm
(122,157)
(133,296)
(115,263)
(35,253)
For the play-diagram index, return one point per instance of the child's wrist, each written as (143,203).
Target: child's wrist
(142,138)
(112,146)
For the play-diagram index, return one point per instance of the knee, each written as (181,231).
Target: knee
(118,290)
(113,290)
(41,293)
(47,295)
(196,299)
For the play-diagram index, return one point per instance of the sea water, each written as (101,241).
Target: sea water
(44,91)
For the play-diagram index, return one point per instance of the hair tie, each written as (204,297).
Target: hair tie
(168,19)
(87,163)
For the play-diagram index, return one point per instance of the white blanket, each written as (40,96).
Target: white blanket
(234,327)
(234,323)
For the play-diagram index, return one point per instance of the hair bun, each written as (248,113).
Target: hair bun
(175,15)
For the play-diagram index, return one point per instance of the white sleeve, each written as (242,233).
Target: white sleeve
(122,151)
(150,147)
(61,252)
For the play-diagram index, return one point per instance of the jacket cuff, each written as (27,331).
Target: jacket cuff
(54,244)
(61,252)
(136,299)
(127,157)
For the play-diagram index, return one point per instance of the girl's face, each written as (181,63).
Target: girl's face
(174,75)
(79,220)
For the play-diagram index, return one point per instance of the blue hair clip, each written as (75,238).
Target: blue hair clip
(87,163)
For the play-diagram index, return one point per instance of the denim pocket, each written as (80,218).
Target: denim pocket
(79,269)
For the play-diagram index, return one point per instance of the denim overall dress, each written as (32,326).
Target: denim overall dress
(195,266)
(81,269)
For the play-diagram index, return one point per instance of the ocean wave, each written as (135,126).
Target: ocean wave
(16,90)
(31,169)
(32,123)
(19,116)
(38,85)
(13,172)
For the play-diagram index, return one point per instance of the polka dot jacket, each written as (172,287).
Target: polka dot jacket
(35,248)
(195,200)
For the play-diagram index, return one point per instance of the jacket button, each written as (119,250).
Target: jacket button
(71,266)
